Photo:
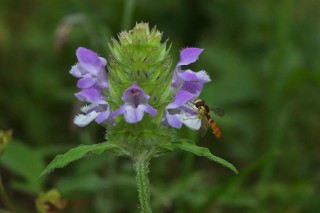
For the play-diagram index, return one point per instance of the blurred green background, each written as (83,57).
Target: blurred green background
(263,57)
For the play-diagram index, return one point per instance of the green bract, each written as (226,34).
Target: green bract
(139,56)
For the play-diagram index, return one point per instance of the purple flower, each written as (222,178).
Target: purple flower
(136,103)
(178,112)
(99,112)
(189,80)
(188,85)
(91,95)
(93,83)
(90,69)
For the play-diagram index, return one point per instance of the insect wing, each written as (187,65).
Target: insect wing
(218,111)
(204,125)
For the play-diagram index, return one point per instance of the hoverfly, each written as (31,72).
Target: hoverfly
(206,119)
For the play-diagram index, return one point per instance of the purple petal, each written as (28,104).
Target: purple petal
(119,111)
(83,120)
(91,95)
(103,61)
(133,115)
(135,96)
(176,79)
(103,116)
(102,79)
(136,103)
(180,99)
(203,77)
(189,109)
(89,108)
(192,122)
(149,109)
(189,55)
(174,121)
(89,60)
(193,87)
(75,71)
(86,82)
(133,90)
(188,75)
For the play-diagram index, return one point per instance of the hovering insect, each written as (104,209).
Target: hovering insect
(206,119)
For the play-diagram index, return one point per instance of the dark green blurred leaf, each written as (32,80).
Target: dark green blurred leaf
(183,188)
(84,183)
(26,162)
(233,78)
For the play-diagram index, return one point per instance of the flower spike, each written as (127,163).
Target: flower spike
(140,81)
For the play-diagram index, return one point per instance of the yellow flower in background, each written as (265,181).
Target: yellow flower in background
(50,202)
(5,138)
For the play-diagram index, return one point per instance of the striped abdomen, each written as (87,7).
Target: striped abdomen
(215,128)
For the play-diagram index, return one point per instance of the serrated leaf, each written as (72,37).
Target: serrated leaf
(199,151)
(74,154)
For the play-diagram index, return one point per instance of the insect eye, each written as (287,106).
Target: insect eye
(199,103)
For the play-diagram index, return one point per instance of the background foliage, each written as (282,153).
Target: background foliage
(263,57)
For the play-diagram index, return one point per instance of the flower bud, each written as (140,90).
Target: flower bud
(50,202)
(5,138)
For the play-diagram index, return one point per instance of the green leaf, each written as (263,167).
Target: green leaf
(26,162)
(199,151)
(74,154)
(86,183)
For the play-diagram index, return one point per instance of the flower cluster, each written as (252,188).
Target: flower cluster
(140,81)
(93,83)
(187,85)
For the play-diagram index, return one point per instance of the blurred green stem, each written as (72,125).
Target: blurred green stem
(141,169)
(5,199)
(127,13)
(278,117)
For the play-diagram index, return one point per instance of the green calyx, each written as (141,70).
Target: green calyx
(138,143)
(139,56)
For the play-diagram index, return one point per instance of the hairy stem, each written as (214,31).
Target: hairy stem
(141,169)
